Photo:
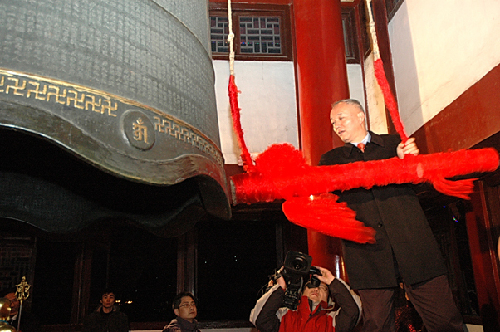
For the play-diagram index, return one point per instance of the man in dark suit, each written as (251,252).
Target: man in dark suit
(405,249)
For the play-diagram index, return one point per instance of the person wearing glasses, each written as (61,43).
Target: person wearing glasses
(185,309)
(316,310)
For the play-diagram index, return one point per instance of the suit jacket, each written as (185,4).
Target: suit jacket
(405,245)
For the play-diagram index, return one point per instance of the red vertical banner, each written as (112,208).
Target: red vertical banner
(321,80)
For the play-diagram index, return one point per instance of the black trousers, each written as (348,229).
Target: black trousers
(432,300)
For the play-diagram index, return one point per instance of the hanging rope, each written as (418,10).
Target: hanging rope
(233,98)
(230,38)
(390,101)
(281,173)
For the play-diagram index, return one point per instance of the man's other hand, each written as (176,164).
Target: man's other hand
(409,147)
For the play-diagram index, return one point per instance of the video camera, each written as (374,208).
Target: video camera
(296,271)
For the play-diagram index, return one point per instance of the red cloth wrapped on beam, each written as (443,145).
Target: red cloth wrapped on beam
(281,173)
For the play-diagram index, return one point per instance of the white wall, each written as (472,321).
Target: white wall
(267,101)
(268,104)
(356,86)
(440,49)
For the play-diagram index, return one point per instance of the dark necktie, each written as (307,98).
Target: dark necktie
(361,146)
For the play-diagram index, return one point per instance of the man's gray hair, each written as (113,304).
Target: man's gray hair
(353,102)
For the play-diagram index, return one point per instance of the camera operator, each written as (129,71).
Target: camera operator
(314,311)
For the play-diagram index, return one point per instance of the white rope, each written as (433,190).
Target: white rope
(373,34)
(230,38)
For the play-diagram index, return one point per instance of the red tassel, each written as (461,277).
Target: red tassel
(235,113)
(280,172)
(323,214)
(291,178)
(460,188)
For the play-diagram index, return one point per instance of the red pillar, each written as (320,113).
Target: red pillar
(321,80)
(481,227)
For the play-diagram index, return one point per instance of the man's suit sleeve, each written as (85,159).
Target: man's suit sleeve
(323,160)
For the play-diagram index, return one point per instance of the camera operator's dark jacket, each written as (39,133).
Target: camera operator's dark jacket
(269,316)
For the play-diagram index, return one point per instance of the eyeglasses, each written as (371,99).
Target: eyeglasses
(322,287)
(190,304)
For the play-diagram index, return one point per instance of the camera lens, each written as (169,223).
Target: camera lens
(298,264)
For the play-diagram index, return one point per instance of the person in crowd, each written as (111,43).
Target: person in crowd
(405,249)
(184,306)
(107,317)
(28,322)
(315,310)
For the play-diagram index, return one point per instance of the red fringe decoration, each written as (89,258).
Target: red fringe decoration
(281,174)
(390,102)
(323,214)
(235,113)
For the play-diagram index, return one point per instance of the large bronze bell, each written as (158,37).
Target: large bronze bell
(124,90)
